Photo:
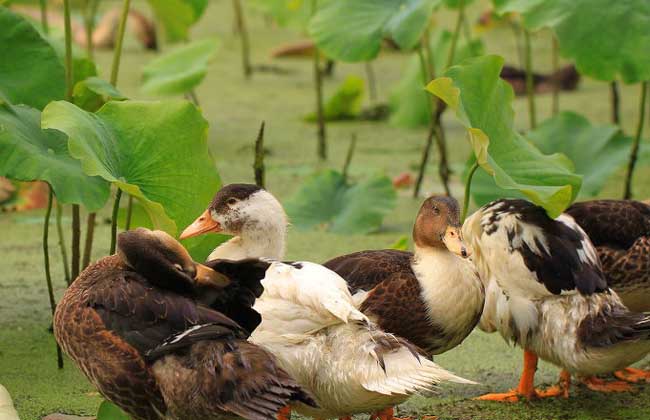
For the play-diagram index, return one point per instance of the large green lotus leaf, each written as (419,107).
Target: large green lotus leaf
(345,104)
(92,93)
(605,38)
(155,151)
(327,200)
(596,151)
(453,4)
(177,16)
(354,30)
(483,103)
(28,153)
(409,101)
(30,71)
(179,70)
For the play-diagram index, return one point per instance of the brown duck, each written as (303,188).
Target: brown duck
(620,230)
(163,337)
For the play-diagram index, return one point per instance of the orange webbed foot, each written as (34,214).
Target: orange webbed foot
(510,396)
(633,375)
(284,413)
(600,385)
(386,414)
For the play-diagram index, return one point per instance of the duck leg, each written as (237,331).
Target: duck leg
(600,385)
(526,387)
(633,375)
(284,413)
(559,390)
(385,414)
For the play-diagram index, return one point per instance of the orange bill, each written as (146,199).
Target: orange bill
(203,224)
(205,276)
(454,243)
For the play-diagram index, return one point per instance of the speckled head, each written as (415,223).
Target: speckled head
(438,225)
(238,207)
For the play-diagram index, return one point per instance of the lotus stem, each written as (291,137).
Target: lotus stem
(69,77)
(318,84)
(348,157)
(637,140)
(258,164)
(48,274)
(64,252)
(530,87)
(44,22)
(115,68)
(456,34)
(468,187)
(76,242)
(240,21)
(116,209)
(129,213)
(556,86)
(372,85)
(90,236)
(89,24)
(616,102)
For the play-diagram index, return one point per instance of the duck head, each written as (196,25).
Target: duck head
(438,226)
(161,258)
(246,211)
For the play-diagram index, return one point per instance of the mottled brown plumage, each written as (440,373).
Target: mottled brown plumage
(395,297)
(134,325)
(620,229)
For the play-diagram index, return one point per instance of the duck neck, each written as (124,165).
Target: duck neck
(450,289)
(265,240)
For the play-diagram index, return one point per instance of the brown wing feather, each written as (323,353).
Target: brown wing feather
(229,376)
(366,269)
(612,223)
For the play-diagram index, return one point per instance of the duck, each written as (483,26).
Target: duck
(311,321)
(620,230)
(163,337)
(7,410)
(547,293)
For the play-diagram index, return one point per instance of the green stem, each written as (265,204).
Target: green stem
(616,102)
(90,236)
(44,23)
(69,77)
(637,141)
(318,83)
(455,36)
(372,85)
(64,252)
(530,87)
(88,27)
(76,242)
(115,68)
(258,163)
(245,42)
(556,85)
(48,274)
(116,208)
(129,213)
(468,187)
(348,157)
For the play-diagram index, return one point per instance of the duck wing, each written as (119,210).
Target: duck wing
(145,316)
(227,374)
(531,254)
(612,223)
(365,270)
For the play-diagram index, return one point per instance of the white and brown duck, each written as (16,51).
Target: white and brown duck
(432,298)
(548,294)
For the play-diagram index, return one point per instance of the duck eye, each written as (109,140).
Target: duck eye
(436,210)
(178,267)
(232,201)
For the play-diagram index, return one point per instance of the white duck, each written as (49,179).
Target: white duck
(546,292)
(309,318)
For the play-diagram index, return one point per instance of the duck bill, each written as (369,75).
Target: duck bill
(203,224)
(453,242)
(205,276)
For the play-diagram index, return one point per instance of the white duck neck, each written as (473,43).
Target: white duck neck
(258,239)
